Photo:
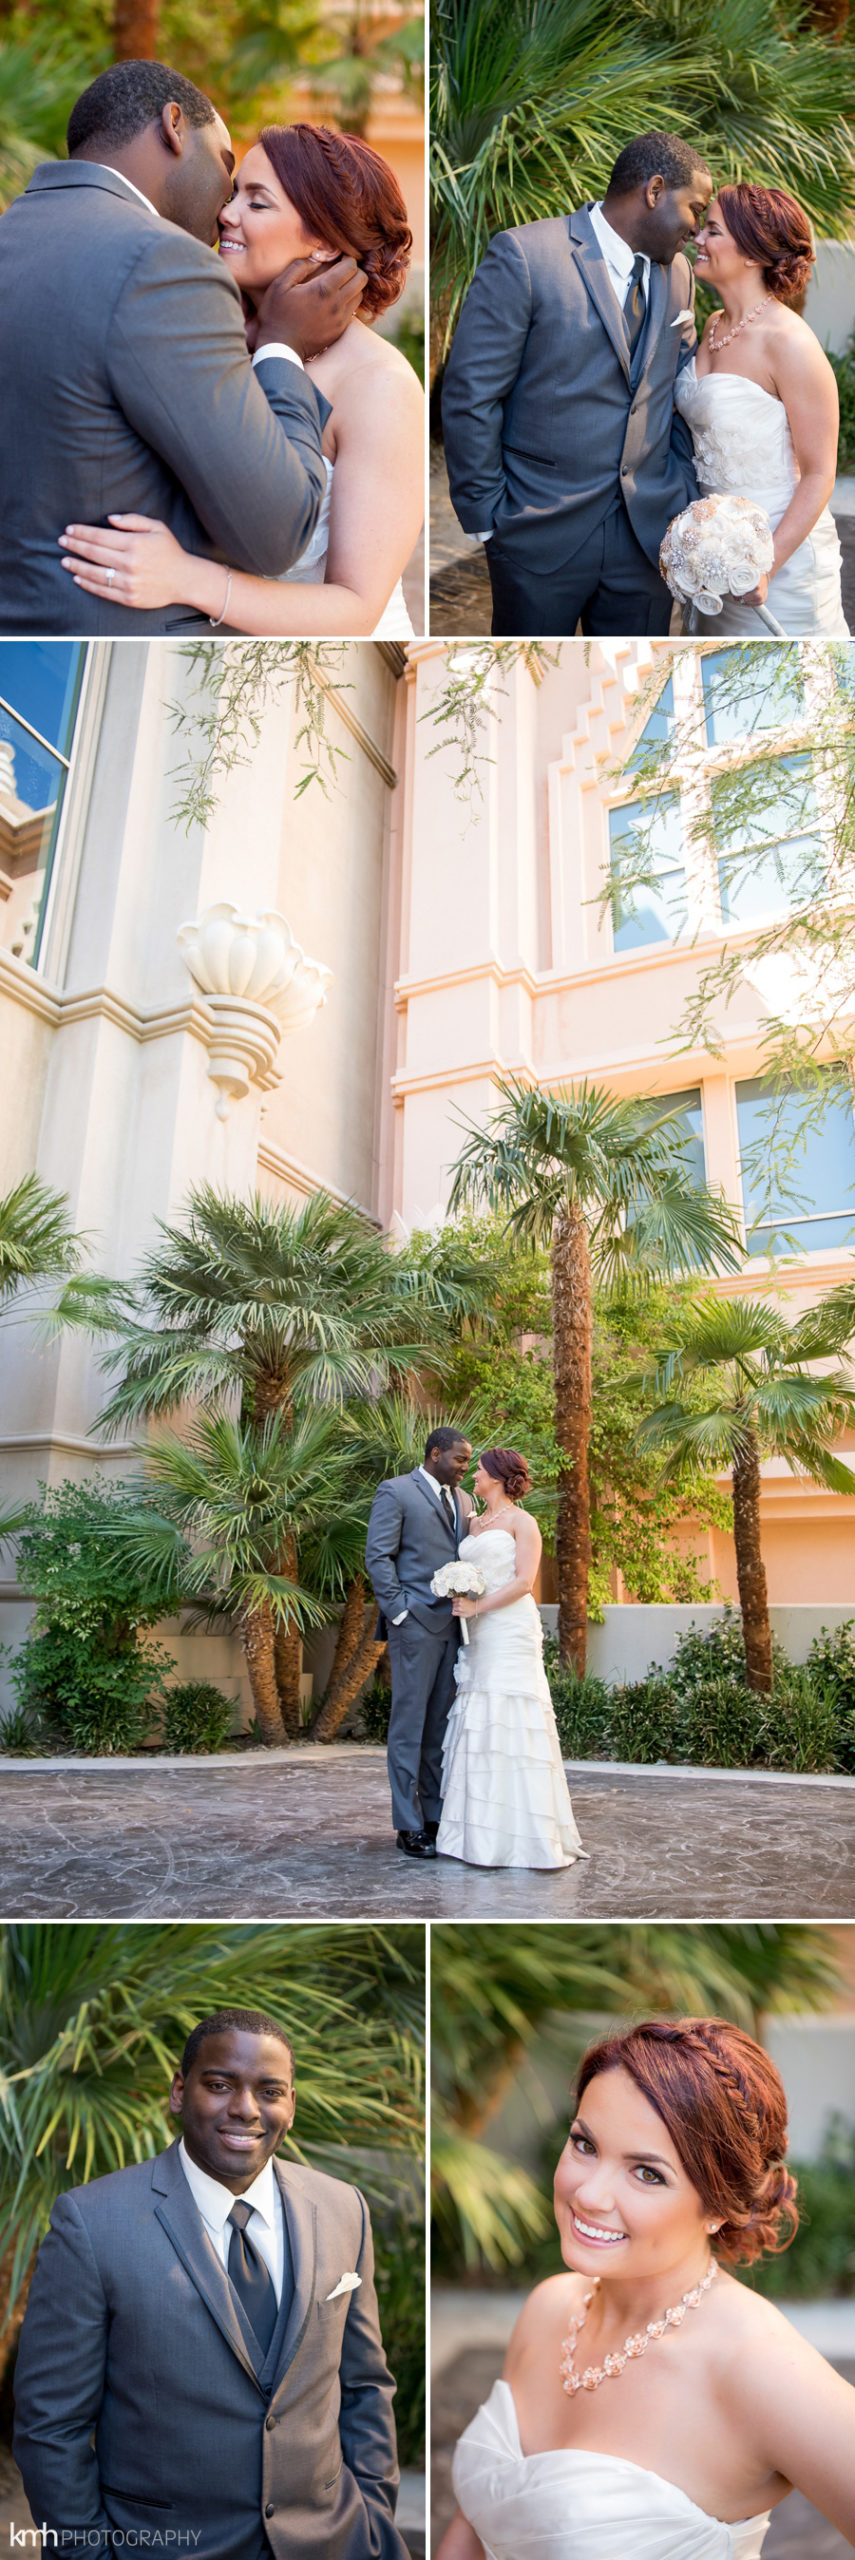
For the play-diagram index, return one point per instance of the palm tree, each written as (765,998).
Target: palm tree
(755,1392)
(93,2020)
(532,100)
(36,1241)
(239,1495)
(609,1186)
(271,1308)
(39,80)
(494,1991)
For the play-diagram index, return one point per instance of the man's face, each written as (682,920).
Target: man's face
(448,1465)
(236,2103)
(673,215)
(203,179)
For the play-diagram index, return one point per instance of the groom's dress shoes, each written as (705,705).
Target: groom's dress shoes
(430,1830)
(415,1844)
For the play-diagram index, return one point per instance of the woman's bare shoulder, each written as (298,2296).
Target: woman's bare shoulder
(544,2313)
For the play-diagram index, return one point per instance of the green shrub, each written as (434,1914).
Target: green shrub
(844,367)
(23,1733)
(374,1710)
(400,2267)
(701,1709)
(581,1708)
(644,1722)
(93,1700)
(196,1717)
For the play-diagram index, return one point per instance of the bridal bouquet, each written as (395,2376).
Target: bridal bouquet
(459,1582)
(718,547)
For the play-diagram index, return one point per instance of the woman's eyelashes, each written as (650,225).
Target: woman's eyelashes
(643,2168)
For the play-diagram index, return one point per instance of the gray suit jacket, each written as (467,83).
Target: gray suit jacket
(546,419)
(132,2330)
(127,389)
(408,1539)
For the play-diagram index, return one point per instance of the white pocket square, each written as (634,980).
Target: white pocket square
(346,2284)
(681,316)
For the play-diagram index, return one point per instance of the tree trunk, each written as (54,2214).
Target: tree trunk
(10,2321)
(572,1326)
(258,1633)
(359,1669)
(135,30)
(350,1630)
(288,1650)
(750,1569)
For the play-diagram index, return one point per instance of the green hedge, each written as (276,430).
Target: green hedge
(702,1711)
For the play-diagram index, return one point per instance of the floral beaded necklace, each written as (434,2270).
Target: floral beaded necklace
(636,2345)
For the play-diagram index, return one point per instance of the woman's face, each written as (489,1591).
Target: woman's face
(482,1483)
(623,2201)
(261,230)
(717,259)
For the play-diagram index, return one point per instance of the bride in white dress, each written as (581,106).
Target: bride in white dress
(303,192)
(652,2408)
(505,1801)
(760,400)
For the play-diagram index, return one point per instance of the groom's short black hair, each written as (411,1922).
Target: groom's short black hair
(655,155)
(131,95)
(445,1438)
(250,2022)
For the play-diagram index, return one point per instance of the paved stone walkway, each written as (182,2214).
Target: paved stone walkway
(305,1833)
(796,2531)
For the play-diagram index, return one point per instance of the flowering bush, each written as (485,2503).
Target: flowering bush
(84,1671)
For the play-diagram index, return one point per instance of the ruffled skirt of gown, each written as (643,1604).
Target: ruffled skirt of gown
(506,1802)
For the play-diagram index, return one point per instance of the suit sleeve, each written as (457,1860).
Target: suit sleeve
(59,2383)
(381,1550)
(482,368)
(244,445)
(366,2424)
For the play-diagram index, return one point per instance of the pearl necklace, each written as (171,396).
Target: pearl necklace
(715,343)
(488,1516)
(636,2345)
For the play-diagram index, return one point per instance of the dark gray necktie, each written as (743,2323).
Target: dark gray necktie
(252,2280)
(635,306)
(448,1508)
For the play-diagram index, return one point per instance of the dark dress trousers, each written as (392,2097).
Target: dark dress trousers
(409,1538)
(127,389)
(564,441)
(149,2416)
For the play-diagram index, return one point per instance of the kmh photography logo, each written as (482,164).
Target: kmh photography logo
(140,2538)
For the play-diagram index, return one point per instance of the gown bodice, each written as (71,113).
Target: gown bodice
(310,570)
(577,2505)
(494,1551)
(741,437)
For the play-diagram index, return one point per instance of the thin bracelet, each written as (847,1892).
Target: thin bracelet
(216,619)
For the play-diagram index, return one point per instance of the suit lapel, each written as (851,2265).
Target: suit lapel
(301,2220)
(178,2213)
(594,272)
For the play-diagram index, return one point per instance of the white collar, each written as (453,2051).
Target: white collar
(619,256)
(215,2201)
(126,182)
(437,1489)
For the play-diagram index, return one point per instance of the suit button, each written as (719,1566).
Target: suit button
(269,2422)
(270,2509)
(624,470)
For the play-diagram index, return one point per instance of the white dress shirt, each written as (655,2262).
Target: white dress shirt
(619,257)
(265,2228)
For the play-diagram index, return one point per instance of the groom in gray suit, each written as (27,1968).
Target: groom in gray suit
(564,449)
(416,1524)
(127,386)
(200,2368)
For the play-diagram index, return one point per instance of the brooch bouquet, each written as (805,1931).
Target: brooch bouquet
(459,1582)
(718,547)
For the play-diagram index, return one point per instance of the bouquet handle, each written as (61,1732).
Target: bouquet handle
(463,1629)
(764,615)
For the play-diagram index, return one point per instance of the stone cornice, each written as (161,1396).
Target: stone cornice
(272,1159)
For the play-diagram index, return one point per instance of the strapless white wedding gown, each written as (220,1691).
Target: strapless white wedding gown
(743,448)
(505,1800)
(310,571)
(576,2505)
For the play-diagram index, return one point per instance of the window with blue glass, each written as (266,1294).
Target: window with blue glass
(772,859)
(647,861)
(40,683)
(798,1164)
(688,1111)
(658,730)
(750,689)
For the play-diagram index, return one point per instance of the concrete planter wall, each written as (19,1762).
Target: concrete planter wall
(632,1638)
(830,304)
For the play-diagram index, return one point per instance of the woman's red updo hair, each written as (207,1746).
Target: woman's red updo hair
(345,193)
(771,228)
(724,2105)
(509,1468)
